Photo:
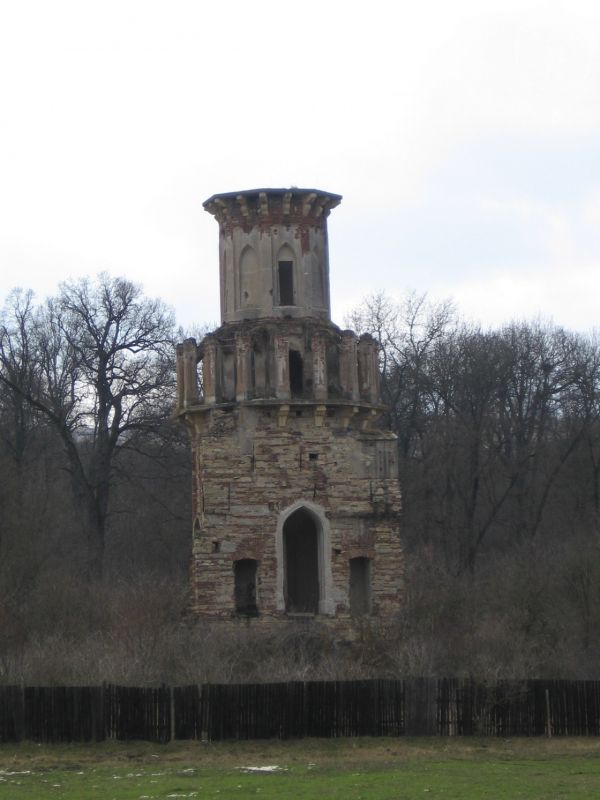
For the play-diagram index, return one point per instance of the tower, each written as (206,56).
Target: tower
(295,489)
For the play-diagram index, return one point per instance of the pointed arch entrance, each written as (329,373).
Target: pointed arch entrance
(301,585)
(304,580)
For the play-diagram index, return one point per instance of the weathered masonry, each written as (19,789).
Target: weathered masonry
(295,490)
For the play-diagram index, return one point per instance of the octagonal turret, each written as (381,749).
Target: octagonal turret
(273,253)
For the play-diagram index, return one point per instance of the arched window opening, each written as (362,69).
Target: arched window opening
(200,379)
(360,586)
(286,283)
(197,528)
(245,587)
(301,578)
(296,373)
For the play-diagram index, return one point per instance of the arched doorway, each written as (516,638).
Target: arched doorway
(301,558)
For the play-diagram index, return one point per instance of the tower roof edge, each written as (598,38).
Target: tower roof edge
(331,198)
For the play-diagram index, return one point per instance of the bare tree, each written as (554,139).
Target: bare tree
(95,362)
(407,334)
(16,414)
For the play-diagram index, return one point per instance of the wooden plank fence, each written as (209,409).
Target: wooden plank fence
(410,707)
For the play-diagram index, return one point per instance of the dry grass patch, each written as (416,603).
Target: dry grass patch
(324,752)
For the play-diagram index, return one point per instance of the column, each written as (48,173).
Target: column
(368,368)
(319,366)
(209,371)
(282,366)
(349,366)
(242,366)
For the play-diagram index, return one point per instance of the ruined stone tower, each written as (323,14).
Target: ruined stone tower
(295,489)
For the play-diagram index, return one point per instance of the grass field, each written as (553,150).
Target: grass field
(369,769)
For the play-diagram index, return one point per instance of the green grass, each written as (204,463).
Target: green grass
(366,769)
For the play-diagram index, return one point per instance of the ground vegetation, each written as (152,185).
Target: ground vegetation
(381,769)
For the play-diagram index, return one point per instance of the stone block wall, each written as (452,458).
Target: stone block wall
(251,472)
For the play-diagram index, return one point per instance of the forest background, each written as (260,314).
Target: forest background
(499,451)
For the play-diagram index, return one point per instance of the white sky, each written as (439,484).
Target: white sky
(464,136)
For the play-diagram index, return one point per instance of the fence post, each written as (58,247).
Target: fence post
(548,721)
(172,712)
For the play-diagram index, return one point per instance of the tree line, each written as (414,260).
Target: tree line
(499,442)
(498,430)
(499,451)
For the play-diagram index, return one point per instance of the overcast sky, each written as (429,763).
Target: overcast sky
(464,137)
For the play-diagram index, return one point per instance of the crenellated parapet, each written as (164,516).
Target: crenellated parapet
(303,361)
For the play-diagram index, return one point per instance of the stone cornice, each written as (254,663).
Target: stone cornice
(266,207)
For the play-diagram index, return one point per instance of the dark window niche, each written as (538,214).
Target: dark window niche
(360,586)
(296,373)
(300,543)
(286,283)
(245,587)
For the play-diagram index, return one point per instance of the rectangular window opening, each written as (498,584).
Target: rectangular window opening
(245,587)
(360,586)
(286,283)
(296,373)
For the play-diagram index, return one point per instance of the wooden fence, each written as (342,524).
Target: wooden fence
(411,707)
